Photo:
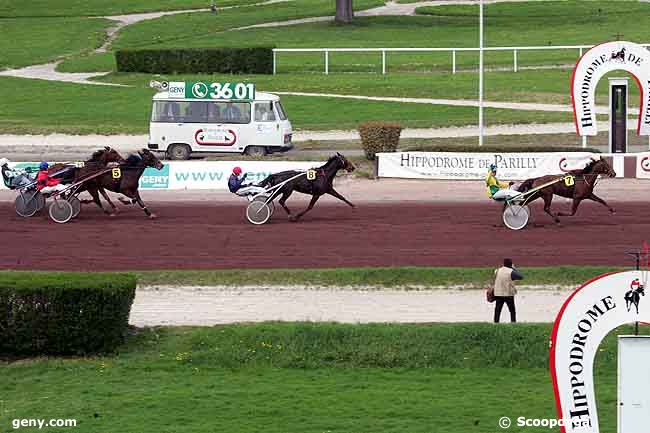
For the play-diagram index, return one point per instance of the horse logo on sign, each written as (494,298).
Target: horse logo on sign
(619,55)
(633,296)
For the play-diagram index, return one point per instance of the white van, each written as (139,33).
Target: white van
(198,117)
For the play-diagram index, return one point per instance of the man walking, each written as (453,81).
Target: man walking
(504,290)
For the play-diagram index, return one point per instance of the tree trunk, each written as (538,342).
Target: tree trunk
(344,12)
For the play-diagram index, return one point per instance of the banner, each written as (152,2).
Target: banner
(206,175)
(597,62)
(474,166)
(643,165)
(585,319)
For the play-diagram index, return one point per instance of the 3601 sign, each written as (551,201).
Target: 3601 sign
(236,91)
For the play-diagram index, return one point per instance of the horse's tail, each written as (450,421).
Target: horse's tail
(526,185)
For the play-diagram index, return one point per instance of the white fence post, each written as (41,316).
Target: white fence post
(584,141)
(383,62)
(580,51)
(327,62)
(274,62)
(515,60)
(453,61)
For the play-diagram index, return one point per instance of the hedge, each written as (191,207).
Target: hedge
(257,60)
(63,313)
(379,137)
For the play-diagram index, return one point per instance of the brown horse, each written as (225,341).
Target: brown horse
(579,185)
(128,180)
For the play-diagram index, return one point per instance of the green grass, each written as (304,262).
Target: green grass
(88,62)
(114,110)
(304,378)
(29,41)
(65,280)
(567,276)
(78,8)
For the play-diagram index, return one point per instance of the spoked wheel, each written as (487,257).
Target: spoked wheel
(27,203)
(515,216)
(263,199)
(76,205)
(40,201)
(61,211)
(257,212)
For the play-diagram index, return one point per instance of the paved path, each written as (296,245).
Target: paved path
(206,306)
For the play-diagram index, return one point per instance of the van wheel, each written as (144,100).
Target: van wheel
(179,151)
(256,151)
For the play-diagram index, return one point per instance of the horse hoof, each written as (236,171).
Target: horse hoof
(112,215)
(613,211)
(292,218)
(153,216)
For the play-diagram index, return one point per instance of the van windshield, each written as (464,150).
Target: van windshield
(201,112)
(281,113)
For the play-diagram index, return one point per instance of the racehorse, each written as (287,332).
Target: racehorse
(582,187)
(633,297)
(620,55)
(125,180)
(322,184)
(99,160)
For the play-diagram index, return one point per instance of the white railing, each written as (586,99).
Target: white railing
(383,51)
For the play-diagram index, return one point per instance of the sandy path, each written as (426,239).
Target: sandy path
(206,306)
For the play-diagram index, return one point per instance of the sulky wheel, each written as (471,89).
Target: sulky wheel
(257,212)
(515,216)
(27,203)
(263,199)
(76,205)
(61,211)
(40,201)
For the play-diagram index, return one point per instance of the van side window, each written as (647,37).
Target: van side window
(264,112)
(194,112)
(164,111)
(229,112)
(281,112)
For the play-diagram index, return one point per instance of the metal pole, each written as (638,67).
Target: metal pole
(383,62)
(480,76)
(327,62)
(515,64)
(580,51)
(274,62)
(453,61)
(584,141)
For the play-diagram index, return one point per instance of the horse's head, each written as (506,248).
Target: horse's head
(150,160)
(106,155)
(600,166)
(342,162)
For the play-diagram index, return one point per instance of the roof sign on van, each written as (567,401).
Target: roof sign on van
(203,90)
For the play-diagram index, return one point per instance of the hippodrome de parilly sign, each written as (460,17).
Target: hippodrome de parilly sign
(597,62)
(585,319)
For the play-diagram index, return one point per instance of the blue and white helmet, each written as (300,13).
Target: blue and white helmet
(493,167)
(3,162)
(43,166)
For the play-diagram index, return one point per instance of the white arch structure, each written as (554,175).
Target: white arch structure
(585,319)
(593,65)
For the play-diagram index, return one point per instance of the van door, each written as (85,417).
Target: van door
(228,127)
(268,132)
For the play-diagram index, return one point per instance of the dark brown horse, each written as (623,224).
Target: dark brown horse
(321,183)
(126,180)
(99,160)
(579,185)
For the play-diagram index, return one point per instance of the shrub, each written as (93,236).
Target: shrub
(63,313)
(379,137)
(196,60)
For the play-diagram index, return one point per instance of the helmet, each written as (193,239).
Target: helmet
(493,167)
(3,162)
(236,171)
(43,166)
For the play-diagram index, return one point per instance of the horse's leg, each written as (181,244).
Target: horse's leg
(138,200)
(107,198)
(595,198)
(548,198)
(335,193)
(314,199)
(93,192)
(574,207)
(283,199)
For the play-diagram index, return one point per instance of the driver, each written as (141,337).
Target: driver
(13,177)
(45,183)
(493,184)
(237,186)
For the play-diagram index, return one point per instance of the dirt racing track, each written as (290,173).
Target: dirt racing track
(210,234)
